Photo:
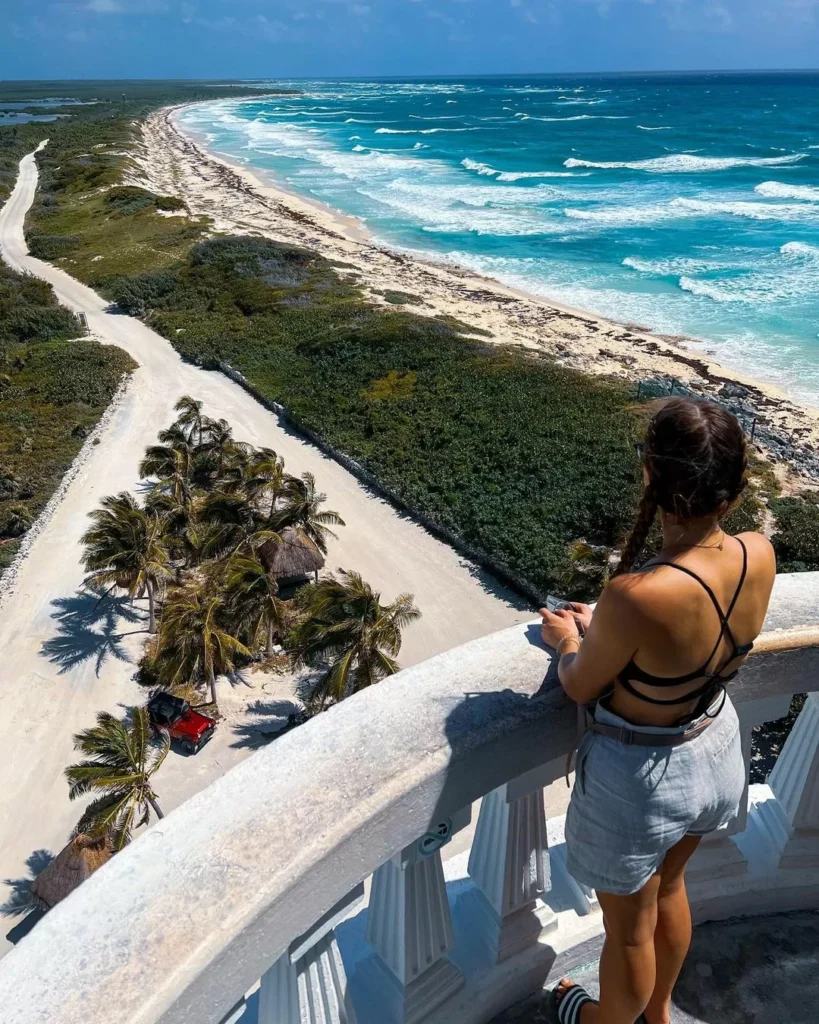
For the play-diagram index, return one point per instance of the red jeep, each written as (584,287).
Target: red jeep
(176,717)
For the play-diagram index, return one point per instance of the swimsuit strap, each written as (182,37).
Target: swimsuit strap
(712,679)
(723,616)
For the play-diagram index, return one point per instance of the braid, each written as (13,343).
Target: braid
(637,537)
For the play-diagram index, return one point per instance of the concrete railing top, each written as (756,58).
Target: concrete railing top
(177,927)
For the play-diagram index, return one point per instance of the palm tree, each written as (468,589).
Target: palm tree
(125,548)
(122,758)
(192,643)
(190,417)
(302,510)
(346,625)
(229,522)
(172,463)
(220,440)
(251,597)
(179,525)
(265,477)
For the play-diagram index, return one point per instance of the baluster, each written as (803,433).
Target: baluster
(308,984)
(410,927)
(718,856)
(795,784)
(509,864)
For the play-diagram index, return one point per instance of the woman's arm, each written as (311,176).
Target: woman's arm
(612,637)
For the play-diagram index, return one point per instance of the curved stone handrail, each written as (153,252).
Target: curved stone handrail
(180,925)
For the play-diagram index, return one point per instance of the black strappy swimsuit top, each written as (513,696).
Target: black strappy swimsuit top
(713,680)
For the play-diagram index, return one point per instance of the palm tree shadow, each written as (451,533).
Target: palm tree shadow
(89,626)
(270,720)
(20,902)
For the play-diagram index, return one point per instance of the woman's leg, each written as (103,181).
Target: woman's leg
(627,963)
(672,937)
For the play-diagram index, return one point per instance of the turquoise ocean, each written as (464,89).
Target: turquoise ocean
(687,203)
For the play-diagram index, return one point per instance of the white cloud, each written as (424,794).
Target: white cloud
(273,30)
(125,6)
(360,10)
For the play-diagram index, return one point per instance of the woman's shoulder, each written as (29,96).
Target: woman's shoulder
(759,549)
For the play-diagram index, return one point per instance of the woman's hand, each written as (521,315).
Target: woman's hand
(557,626)
(582,614)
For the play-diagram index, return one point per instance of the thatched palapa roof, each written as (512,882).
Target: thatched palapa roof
(79,860)
(296,556)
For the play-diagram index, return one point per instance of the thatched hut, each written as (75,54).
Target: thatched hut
(294,559)
(79,860)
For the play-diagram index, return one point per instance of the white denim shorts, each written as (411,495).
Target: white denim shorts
(631,804)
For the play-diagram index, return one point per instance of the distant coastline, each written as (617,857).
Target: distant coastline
(239,201)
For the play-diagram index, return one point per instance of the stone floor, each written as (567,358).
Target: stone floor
(762,970)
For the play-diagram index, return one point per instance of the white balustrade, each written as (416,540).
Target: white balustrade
(308,984)
(298,825)
(509,864)
(795,784)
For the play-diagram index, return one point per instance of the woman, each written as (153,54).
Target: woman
(661,764)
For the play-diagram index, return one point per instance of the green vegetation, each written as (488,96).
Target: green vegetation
(517,455)
(52,393)
(796,540)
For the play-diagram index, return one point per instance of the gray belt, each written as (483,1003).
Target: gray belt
(633,737)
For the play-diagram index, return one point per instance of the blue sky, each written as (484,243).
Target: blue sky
(303,38)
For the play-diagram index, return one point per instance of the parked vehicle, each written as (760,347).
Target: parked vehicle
(175,716)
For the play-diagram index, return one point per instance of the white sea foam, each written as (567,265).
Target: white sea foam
(422,131)
(780,190)
(359,149)
(709,290)
(521,175)
(581,117)
(622,216)
(489,171)
(478,167)
(685,163)
(743,208)
(799,249)
(657,128)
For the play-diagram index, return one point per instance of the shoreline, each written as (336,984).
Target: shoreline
(239,200)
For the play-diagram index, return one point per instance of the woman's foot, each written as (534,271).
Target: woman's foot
(588,1010)
(662,1016)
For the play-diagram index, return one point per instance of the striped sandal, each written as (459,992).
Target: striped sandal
(569,1006)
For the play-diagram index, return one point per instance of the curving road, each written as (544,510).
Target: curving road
(61,661)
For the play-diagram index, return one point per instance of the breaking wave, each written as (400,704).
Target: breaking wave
(685,163)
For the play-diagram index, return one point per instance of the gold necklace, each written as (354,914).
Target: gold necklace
(681,543)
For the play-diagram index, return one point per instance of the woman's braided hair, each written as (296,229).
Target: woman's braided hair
(696,458)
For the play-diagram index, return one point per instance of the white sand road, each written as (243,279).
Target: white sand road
(60,663)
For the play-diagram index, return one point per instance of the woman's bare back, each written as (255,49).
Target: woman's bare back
(676,624)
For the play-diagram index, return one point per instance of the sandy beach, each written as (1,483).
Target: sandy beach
(171,161)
